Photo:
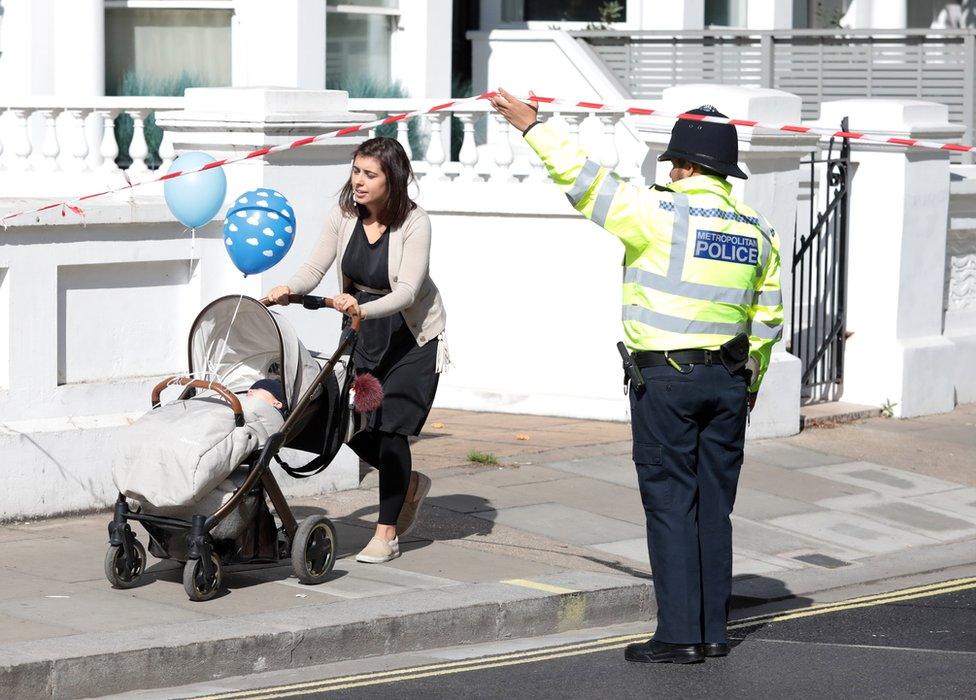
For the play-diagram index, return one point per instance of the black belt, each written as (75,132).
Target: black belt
(654,358)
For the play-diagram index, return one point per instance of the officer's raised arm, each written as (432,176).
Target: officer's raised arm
(624,210)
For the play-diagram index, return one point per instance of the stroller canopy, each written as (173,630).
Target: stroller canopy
(236,341)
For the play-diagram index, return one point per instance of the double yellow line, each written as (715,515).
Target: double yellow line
(558,652)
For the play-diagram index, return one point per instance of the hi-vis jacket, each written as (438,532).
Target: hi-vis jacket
(699,267)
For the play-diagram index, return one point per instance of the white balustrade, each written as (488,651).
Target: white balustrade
(468,155)
(22,143)
(51,147)
(78,140)
(573,121)
(403,136)
(435,155)
(52,134)
(108,149)
(166,152)
(504,155)
(138,148)
(609,156)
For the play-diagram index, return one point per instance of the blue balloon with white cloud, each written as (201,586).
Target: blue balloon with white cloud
(258,230)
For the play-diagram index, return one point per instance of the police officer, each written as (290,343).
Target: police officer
(702,309)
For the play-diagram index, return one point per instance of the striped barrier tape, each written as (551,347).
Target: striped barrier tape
(73,205)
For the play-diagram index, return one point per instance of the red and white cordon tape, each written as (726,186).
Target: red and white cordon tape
(824,132)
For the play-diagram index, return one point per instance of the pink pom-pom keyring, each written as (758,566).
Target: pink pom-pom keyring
(368,393)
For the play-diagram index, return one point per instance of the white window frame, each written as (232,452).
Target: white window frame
(364,10)
(169,4)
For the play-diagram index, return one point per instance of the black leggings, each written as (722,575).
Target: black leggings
(390,453)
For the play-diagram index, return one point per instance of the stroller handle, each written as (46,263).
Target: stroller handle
(225,393)
(312,302)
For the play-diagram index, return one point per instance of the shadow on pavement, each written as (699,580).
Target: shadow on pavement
(770,591)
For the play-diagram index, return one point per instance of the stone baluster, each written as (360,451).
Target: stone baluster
(609,156)
(51,147)
(138,149)
(166,152)
(573,121)
(108,149)
(78,140)
(435,155)
(22,146)
(468,155)
(403,136)
(504,155)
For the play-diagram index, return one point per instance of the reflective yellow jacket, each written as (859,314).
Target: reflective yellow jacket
(699,267)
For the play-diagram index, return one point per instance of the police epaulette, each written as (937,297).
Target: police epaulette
(661,188)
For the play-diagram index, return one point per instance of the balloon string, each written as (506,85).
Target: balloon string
(223,350)
(193,244)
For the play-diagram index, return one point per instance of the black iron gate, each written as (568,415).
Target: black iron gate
(820,275)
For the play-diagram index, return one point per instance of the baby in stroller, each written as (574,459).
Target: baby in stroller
(197,475)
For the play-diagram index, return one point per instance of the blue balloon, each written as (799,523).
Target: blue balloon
(258,230)
(195,199)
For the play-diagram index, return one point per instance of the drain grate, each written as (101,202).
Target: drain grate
(822,560)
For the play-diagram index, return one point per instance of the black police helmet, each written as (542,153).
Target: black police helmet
(713,146)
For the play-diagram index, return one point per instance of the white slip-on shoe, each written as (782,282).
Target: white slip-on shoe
(379,550)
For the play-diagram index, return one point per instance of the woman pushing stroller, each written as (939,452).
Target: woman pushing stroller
(379,240)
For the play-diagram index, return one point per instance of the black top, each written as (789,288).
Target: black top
(386,346)
(367,264)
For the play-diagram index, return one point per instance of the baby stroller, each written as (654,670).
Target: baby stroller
(219,515)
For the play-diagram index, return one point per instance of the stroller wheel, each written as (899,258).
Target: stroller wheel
(198,585)
(313,551)
(122,574)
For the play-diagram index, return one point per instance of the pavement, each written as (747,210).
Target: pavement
(548,540)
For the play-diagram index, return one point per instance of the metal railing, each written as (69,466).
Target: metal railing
(819,303)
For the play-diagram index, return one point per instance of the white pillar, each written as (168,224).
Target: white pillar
(890,14)
(897,247)
(772,161)
(876,14)
(26,68)
(674,14)
(421,48)
(770,14)
(282,47)
(79,47)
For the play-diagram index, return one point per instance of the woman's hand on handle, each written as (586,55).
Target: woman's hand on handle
(519,114)
(279,295)
(347,304)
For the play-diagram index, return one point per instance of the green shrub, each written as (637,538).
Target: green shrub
(135,85)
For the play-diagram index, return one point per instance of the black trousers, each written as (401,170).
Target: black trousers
(689,431)
(390,454)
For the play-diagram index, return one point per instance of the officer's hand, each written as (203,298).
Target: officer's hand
(752,399)
(519,114)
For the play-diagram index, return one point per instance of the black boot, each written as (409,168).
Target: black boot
(655,652)
(715,649)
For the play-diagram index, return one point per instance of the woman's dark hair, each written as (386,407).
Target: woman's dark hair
(396,166)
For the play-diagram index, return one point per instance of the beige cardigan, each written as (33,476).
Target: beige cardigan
(412,292)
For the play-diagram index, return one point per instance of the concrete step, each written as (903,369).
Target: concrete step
(830,413)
